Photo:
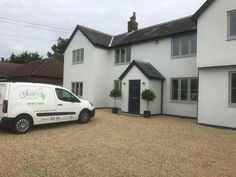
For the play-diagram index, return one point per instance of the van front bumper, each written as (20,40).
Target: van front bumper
(92,113)
(6,122)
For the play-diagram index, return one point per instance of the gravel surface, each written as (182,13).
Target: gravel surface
(119,146)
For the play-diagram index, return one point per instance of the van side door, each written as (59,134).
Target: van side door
(67,105)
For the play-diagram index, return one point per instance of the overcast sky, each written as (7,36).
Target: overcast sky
(109,16)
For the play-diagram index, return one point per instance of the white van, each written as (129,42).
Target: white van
(23,105)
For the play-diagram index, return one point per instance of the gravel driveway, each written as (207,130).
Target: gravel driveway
(114,145)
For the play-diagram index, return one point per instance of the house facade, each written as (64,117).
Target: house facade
(170,58)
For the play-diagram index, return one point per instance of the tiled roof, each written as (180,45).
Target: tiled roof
(42,68)
(155,32)
(150,33)
(146,68)
(7,69)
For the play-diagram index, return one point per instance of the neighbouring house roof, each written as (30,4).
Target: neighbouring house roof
(100,39)
(202,9)
(146,68)
(41,68)
(7,69)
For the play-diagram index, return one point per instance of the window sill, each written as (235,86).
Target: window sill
(183,102)
(183,56)
(231,38)
(232,105)
(75,63)
(118,64)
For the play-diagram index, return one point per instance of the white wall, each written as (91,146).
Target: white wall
(101,77)
(80,72)
(99,71)
(155,106)
(214,105)
(213,48)
(159,55)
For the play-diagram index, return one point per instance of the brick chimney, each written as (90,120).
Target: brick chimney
(132,24)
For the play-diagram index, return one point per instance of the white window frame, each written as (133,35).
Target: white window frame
(229,36)
(76,88)
(188,101)
(127,56)
(230,89)
(180,38)
(78,56)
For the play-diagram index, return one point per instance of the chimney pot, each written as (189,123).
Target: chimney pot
(132,24)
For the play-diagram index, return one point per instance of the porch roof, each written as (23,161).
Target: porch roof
(146,68)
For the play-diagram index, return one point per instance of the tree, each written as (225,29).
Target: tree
(148,95)
(115,93)
(58,49)
(25,57)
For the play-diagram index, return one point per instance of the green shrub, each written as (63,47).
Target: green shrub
(148,95)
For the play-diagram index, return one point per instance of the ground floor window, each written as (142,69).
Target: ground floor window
(77,88)
(184,89)
(233,87)
(117,84)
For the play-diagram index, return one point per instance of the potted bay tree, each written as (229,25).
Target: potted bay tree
(115,93)
(148,95)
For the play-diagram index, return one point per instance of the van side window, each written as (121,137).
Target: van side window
(65,96)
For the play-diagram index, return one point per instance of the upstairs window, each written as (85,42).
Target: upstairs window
(184,90)
(78,56)
(232,24)
(123,55)
(77,88)
(233,88)
(184,46)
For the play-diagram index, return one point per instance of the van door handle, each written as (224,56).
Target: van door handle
(59,104)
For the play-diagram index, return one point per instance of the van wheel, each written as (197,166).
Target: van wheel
(84,117)
(21,125)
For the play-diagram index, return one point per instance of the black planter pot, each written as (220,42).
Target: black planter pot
(115,110)
(146,114)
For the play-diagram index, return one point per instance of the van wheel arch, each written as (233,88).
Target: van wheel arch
(84,116)
(26,116)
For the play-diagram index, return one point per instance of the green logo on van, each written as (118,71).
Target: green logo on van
(33,94)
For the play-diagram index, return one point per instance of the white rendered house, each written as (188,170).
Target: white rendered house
(170,58)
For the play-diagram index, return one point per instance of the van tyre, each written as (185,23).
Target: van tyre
(21,125)
(84,117)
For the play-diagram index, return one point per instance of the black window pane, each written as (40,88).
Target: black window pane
(175,47)
(185,46)
(174,95)
(128,53)
(233,30)
(117,56)
(82,55)
(233,23)
(184,83)
(81,89)
(184,89)
(194,44)
(175,84)
(122,55)
(194,84)
(233,96)
(184,95)
(233,80)
(194,90)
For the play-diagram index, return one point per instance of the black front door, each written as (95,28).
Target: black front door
(134,96)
